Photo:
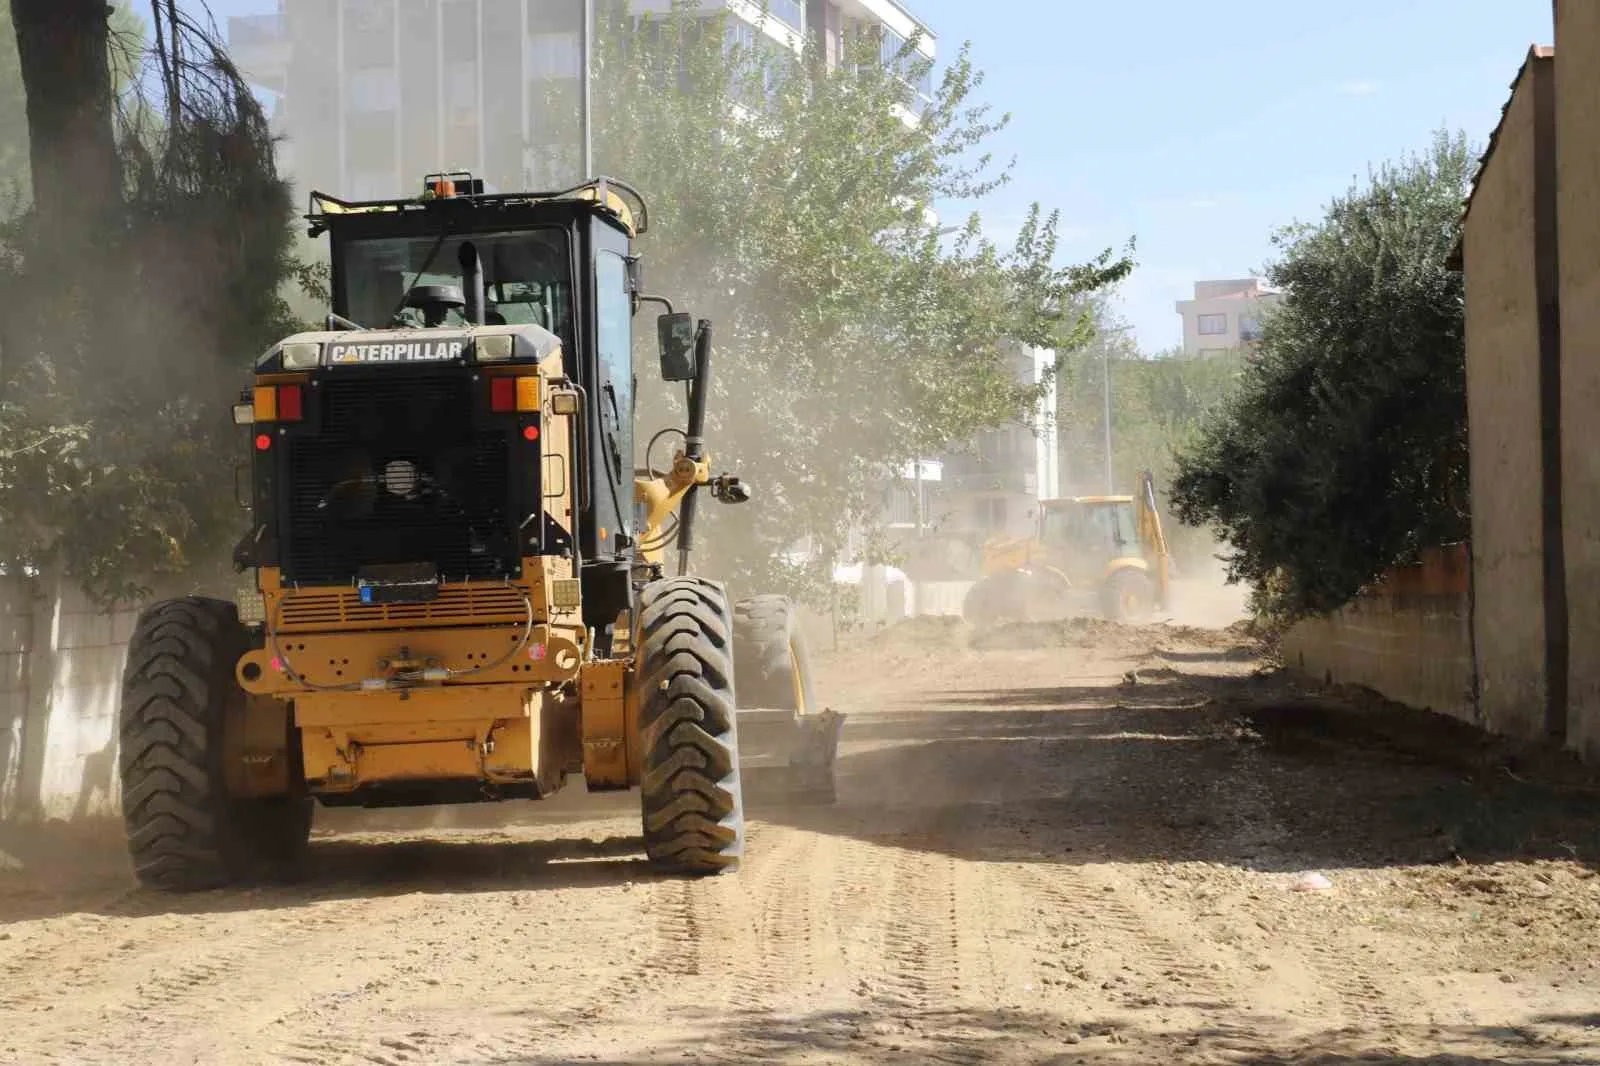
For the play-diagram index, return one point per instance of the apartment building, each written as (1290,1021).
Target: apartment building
(995,486)
(1224,315)
(372,94)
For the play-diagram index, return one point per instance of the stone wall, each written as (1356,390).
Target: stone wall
(1409,638)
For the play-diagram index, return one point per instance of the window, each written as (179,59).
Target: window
(373,90)
(1213,325)
(526,271)
(1249,329)
(788,11)
(614,342)
(371,186)
(369,33)
(461,90)
(554,55)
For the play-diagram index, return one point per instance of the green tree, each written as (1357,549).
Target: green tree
(1344,451)
(791,205)
(114,389)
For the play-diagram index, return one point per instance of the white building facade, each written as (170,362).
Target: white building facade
(370,95)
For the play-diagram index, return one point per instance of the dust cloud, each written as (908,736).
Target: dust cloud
(1202,597)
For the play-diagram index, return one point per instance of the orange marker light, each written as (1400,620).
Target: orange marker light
(527,394)
(266,403)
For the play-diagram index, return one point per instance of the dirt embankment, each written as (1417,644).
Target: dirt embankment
(1067,844)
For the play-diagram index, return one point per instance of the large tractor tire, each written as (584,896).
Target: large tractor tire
(773,665)
(997,599)
(692,802)
(1014,596)
(770,657)
(179,696)
(1128,597)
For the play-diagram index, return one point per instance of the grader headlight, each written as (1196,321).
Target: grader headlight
(301,356)
(495,348)
(251,604)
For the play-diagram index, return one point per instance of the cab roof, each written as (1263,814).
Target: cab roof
(602,196)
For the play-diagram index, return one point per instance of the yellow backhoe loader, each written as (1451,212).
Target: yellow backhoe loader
(455,576)
(1103,554)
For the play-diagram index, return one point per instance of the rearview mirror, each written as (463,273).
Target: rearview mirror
(676,334)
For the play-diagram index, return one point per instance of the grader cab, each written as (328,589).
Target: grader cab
(457,586)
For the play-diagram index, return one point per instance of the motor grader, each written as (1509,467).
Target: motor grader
(1103,554)
(456,578)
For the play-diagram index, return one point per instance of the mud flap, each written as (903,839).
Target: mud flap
(788,757)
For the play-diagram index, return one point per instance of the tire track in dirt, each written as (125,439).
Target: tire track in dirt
(513,1014)
(1127,935)
(298,958)
(745,944)
(762,963)
(149,977)
(1245,806)
(672,918)
(918,936)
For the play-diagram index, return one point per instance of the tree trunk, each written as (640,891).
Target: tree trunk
(66,75)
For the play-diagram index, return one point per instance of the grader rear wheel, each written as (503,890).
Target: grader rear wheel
(185,832)
(773,667)
(691,798)
(770,657)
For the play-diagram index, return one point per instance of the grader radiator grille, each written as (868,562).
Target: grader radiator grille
(317,609)
(396,468)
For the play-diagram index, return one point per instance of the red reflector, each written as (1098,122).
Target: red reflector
(503,394)
(530,432)
(289,403)
(263,442)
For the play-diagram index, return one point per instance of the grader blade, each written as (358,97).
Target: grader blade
(788,757)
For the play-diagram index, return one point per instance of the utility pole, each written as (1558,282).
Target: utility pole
(1105,353)
(919,498)
(585,89)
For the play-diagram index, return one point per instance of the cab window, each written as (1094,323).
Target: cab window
(614,344)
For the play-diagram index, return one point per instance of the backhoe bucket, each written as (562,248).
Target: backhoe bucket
(788,757)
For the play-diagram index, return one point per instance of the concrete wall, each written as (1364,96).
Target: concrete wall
(1509,257)
(62,669)
(1409,639)
(1578,212)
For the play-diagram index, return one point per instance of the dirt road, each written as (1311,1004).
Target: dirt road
(1076,844)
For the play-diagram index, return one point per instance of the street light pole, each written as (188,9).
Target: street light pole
(1105,350)
(585,89)
(1105,354)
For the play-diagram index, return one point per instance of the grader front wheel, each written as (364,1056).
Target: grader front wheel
(692,802)
(185,832)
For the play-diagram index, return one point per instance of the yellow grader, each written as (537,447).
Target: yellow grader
(456,588)
(1103,554)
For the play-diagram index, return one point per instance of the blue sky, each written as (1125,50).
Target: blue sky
(1199,127)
